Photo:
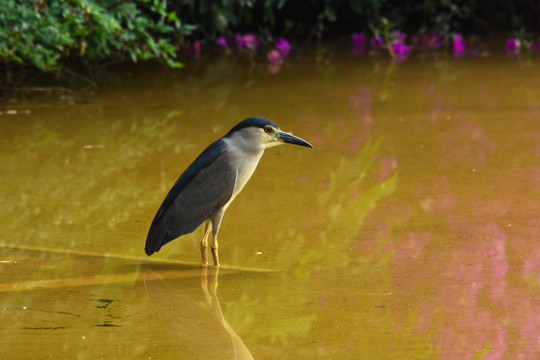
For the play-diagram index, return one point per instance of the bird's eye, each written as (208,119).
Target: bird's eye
(267,129)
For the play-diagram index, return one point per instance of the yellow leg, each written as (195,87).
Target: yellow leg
(204,242)
(214,249)
(216,222)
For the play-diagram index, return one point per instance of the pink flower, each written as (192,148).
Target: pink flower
(248,40)
(535,46)
(274,68)
(399,48)
(429,41)
(358,40)
(283,46)
(274,56)
(376,41)
(239,40)
(433,40)
(459,45)
(222,41)
(401,51)
(398,37)
(512,46)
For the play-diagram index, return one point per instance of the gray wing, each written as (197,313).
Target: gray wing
(208,191)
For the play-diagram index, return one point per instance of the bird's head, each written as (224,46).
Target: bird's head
(261,133)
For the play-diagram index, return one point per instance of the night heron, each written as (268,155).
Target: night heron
(208,186)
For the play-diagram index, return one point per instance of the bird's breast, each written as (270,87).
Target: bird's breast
(245,167)
(245,171)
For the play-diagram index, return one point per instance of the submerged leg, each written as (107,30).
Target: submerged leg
(204,241)
(214,248)
(216,222)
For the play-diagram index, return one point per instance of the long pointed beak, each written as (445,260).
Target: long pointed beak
(291,139)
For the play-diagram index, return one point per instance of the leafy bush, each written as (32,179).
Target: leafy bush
(321,18)
(47,33)
(42,33)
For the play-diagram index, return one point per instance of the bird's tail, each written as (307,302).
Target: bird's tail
(155,238)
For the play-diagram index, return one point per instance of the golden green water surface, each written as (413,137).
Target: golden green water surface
(410,231)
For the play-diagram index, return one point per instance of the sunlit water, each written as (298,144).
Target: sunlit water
(409,231)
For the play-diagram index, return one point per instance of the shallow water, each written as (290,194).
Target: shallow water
(410,230)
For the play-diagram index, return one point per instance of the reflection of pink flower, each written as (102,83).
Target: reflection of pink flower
(471,235)
(531,266)
(535,46)
(412,247)
(274,56)
(388,167)
(473,146)
(197,47)
(222,41)
(459,45)
(361,101)
(274,68)
(401,51)
(283,46)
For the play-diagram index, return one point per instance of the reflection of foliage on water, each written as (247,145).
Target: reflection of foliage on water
(348,199)
(353,190)
(62,174)
(462,231)
(96,312)
(81,185)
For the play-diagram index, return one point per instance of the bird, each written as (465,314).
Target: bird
(204,191)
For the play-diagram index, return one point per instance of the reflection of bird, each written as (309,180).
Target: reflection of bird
(208,186)
(189,322)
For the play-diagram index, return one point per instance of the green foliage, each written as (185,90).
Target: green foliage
(216,17)
(44,33)
(48,33)
(321,18)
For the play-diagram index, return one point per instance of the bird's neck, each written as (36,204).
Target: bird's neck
(242,144)
(246,159)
